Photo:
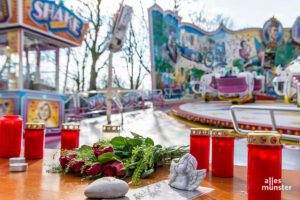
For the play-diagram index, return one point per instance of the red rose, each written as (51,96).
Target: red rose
(85,169)
(96,146)
(118,166)
(98,152)
(112,168)
(94,169)
(76,165)
(64,159)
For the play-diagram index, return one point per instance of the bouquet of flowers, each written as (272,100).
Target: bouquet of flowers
(121,157)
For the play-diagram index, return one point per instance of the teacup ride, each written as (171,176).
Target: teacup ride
(286,84)
(234,86)
(207,86)
(259,83)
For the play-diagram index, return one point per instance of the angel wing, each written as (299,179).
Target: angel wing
(195,178)
(173,173)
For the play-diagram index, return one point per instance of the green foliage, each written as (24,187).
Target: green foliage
(104,158)
(55,169)
(149,141)
(118,141)
(146,161)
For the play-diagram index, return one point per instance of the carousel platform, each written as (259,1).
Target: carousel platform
(217,113)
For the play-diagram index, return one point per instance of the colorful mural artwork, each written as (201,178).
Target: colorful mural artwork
(296,31)
(130,99)
(6,107)
(181,52)
(97,102)
(272,32)
(4,11)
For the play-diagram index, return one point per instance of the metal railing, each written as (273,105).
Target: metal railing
(271,110)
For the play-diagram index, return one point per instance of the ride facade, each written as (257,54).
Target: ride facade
(31,36)
(189,62)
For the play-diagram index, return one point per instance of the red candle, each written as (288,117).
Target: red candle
(264,166)
(69,136)
(222,152)
(10,136)
(34,140)
(199,146)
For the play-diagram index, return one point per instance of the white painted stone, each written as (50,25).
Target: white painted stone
(107,187)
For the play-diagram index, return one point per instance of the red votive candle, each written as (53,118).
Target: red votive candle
(199,146)
(69,136)
(10,136)
(264,166)
(222,152)
(34,140)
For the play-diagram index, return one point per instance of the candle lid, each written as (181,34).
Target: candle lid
(111,128)
(70,127)
(35,126)
(222,133)
(264,138)
(200,131)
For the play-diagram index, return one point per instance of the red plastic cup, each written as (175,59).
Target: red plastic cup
(264,166)
(222,153)
(199,146)
(10,136)
(34,140)
(69,136)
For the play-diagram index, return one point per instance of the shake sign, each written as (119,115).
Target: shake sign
(58,18)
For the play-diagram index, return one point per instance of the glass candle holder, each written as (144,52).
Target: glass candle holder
(222,152)
(69,136)
(34,140)
(264,166)
(110,131)
(199,146)
(10,136)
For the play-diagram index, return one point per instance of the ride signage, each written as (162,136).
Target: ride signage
(58,18)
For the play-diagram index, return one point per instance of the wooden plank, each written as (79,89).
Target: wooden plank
(36,183)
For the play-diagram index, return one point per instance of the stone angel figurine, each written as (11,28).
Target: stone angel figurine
(183,173)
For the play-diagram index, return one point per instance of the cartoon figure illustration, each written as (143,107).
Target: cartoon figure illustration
(169,51)
(44,112)
(166,79)
(244,50)
(272,31)
(4,108)
(299,28)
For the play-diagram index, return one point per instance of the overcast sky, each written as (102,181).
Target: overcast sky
(244,13)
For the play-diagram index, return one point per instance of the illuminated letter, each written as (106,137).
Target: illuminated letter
(58,16)
(75,26)
(38,10)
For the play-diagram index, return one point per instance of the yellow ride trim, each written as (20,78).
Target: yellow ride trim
(239,100)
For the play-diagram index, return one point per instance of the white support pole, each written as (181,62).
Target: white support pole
(20,79)
(57,70)
(109,88)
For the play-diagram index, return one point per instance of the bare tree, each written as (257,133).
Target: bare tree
(134,58)
(177,4)
(203,21)
(80,57)
(67,69)
(93,40)
(117,80)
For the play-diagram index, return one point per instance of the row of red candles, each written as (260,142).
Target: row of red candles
(264,158)
(11,128)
